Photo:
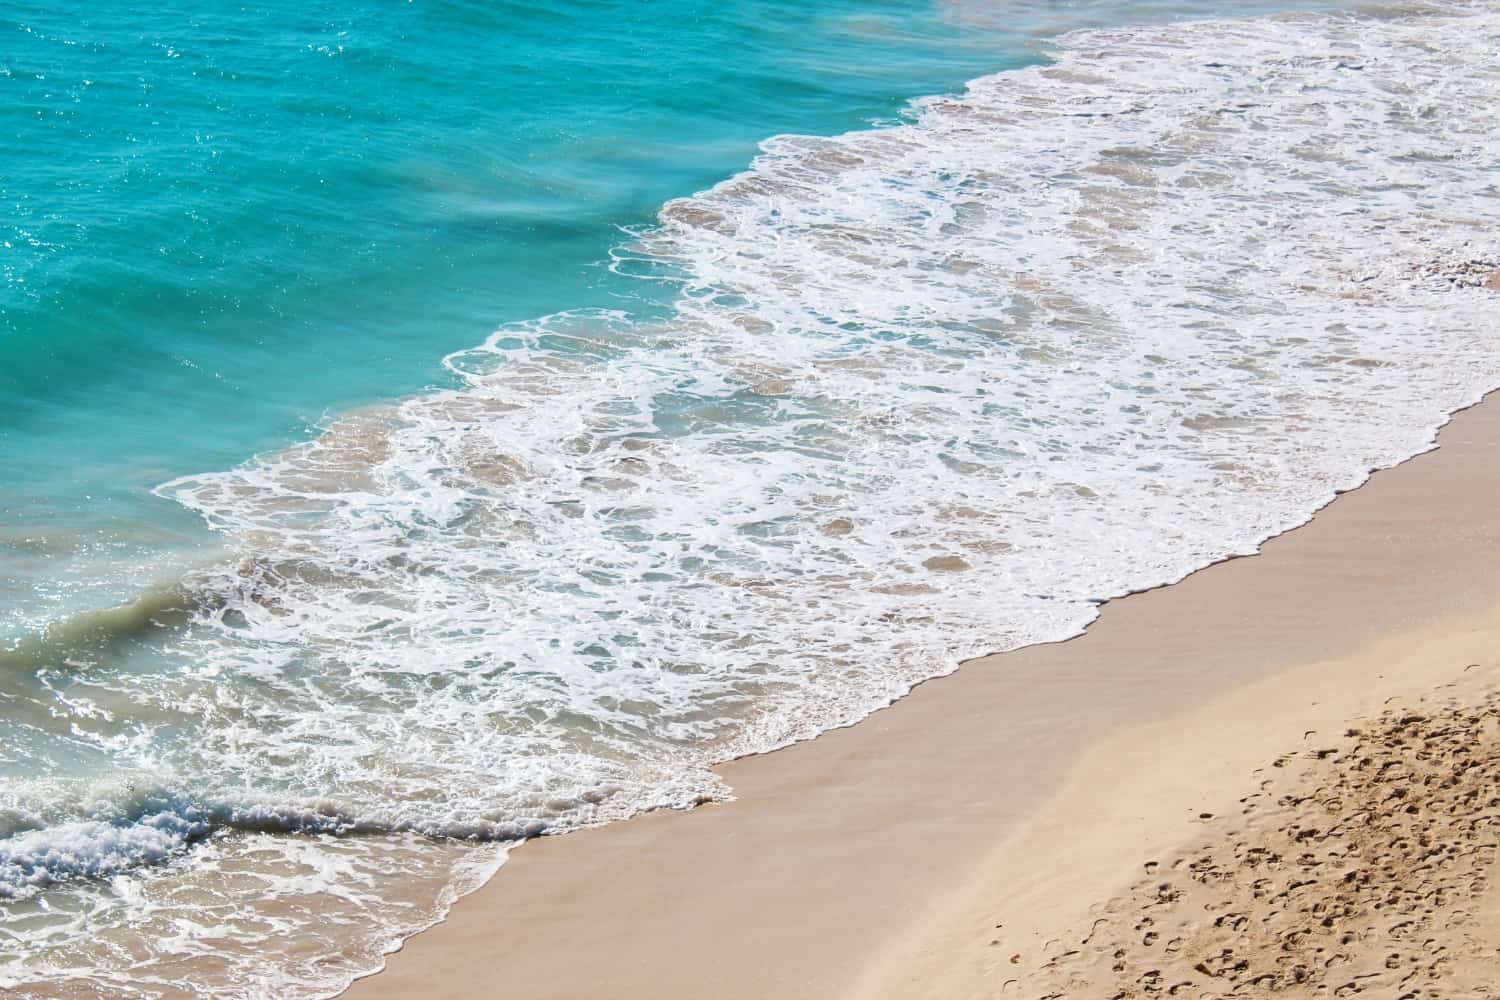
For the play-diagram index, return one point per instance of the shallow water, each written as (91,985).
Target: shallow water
(882,401)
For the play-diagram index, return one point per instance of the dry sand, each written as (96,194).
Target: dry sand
(990,835)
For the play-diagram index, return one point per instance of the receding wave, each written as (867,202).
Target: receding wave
(160,608)
(925,392)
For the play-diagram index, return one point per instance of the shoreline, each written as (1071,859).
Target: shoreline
(868,862)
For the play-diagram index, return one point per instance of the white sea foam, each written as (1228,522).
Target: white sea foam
(68,850)
(925,392)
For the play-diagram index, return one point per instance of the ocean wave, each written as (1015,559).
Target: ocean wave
(38,859)
(927,392)
(163,607)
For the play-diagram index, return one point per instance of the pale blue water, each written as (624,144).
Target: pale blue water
(931,385)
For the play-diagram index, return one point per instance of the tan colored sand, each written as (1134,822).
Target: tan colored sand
(1360,863)
(1357,861)
(1022,791)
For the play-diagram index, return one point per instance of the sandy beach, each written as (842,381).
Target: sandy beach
(1358,862)
(1011,829)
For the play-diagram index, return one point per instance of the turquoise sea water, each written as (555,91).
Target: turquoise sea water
(224,222)
(426,425)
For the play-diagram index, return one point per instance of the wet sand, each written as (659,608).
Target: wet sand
(964,842)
